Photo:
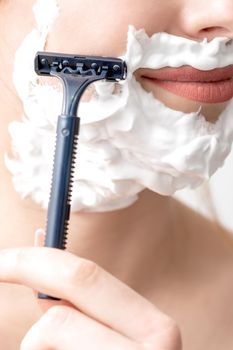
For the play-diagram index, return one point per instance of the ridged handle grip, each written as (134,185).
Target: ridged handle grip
(60,198)
(62,183)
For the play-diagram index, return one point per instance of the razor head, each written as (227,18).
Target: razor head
(49,64)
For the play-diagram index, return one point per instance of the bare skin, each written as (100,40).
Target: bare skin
(178,261)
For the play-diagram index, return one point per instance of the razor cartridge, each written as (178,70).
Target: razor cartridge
(76,74)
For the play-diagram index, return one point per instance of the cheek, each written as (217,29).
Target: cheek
(102,30)
(95,33)
(96,27)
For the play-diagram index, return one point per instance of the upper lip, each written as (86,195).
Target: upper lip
(189,74)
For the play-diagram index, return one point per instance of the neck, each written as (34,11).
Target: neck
(131,243)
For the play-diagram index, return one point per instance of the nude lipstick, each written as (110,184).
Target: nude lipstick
(213,86)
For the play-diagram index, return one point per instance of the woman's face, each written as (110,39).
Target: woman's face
(100,28)
(82,28)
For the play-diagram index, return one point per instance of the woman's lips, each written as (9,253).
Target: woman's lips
(213,86)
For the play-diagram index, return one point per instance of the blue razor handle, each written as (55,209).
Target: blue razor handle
(76,74)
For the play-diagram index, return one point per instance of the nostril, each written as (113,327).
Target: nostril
(212,29)
(215,31)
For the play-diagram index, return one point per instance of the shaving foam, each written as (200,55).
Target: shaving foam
(129,140)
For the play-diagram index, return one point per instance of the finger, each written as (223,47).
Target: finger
(64,328)
(87,286)
(39,238)
(39,241)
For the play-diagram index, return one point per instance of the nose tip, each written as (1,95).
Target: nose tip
(207,19)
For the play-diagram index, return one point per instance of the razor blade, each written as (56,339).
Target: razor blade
(45,63)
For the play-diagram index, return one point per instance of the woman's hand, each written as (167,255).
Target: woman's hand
(101,313)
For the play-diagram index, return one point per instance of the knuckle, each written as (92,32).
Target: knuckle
(170,335)
(174,336)
(84,271)
(20,262)
(164,334)
(20,257)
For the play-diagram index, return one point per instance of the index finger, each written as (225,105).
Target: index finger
(87,286)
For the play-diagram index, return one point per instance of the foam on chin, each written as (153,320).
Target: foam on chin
(129,141)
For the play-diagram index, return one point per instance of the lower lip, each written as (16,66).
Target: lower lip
(216,92)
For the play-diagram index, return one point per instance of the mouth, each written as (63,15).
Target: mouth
(213,86)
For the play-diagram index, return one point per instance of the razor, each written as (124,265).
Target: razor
(76,72)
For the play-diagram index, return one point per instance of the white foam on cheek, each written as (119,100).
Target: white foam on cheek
(129,141)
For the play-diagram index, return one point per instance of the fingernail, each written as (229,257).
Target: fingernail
(39,238)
